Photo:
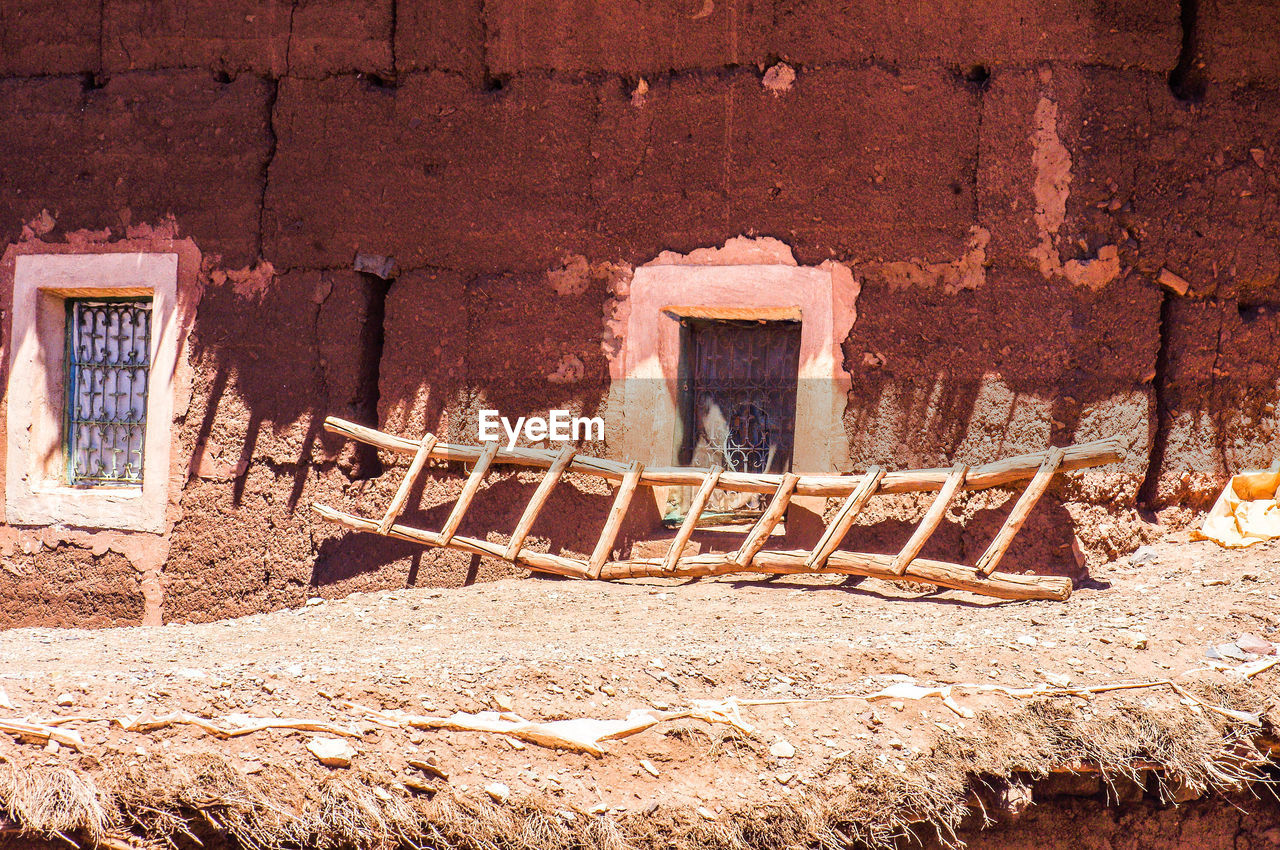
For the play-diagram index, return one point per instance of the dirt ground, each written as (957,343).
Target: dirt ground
(550,649)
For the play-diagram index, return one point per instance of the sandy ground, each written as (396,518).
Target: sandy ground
(551,649)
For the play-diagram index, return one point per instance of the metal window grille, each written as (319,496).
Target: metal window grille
(108,370)
(738,388)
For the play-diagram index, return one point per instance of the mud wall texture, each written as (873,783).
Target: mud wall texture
(1007,181)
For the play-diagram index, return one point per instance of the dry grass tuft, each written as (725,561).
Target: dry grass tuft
(1202,752)
(54,800)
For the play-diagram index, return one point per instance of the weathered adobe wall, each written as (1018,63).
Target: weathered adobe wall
(1006,181)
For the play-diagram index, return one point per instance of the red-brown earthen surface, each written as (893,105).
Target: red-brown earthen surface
(805,655)
(1006,183)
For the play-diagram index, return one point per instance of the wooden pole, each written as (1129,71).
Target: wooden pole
(621,501)
(420,458)
(834,534)
(1021,510)
(469,490)
(773,514)
(540,561)
(997,474)
(691,517)
(540,496)
(932,517)
(787,562)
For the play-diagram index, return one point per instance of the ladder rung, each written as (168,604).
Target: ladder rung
(420,458)
(469,490)
(621,501)
(932,518)
(759,534)
(540,496)
(839,526)
(691,518)
(1021,510)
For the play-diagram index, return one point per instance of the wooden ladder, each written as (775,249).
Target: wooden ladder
(752,555)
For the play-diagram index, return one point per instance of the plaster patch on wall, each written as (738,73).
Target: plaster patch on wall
(572,278)
(1096,273)
(1051,188)
(39,226)
(779,78)
(1052,162)
(617,310)
(738,251)
(248,282)
(569,370)
(969,271)
(145,552)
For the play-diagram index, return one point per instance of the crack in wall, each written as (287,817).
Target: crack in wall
(288,44)
(273,142)
(1148,491)
(364,402)
(1188,80)
(102,35)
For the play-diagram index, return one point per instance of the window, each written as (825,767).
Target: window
(91,385)
(738,406)
(778,326)
(108,365)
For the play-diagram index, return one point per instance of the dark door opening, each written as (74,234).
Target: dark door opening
(737,385)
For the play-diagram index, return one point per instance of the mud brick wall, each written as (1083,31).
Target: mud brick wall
(1007,181)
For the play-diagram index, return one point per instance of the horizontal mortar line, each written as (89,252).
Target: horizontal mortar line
(592,75)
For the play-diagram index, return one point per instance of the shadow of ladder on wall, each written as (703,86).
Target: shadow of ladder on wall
(751,556)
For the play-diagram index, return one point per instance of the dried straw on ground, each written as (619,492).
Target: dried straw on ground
(862,798)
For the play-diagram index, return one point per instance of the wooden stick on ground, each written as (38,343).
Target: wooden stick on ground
(932,517)
(621,501)
(691,517)
(420,459)
(759,534)
(43,732)
(834,534)
(540,496)
(469,490)
(1021,510)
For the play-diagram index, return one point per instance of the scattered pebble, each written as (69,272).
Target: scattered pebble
(498,791)
(1252,643)
(1144,556)
(782,748)
(331,752)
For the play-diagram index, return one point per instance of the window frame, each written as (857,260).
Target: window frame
(37,490)
(747,280)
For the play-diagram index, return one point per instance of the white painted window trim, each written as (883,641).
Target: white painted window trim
(644,389)
(36,492)
(749,278)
